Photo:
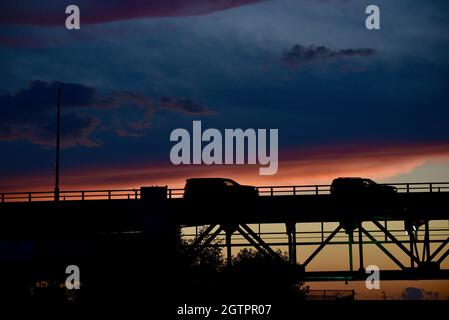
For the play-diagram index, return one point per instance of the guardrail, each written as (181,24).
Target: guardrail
(71,195)
(178,193)
(330,295)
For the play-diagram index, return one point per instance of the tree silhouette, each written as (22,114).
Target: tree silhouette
(252,274)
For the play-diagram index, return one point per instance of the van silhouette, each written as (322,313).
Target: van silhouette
(359,186)
(206,189)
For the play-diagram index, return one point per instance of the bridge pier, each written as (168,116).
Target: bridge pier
(159,240)
(229,231)
(349,226)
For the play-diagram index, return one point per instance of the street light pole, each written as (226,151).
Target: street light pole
(58,120)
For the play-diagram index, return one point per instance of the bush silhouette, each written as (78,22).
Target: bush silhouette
(251,274)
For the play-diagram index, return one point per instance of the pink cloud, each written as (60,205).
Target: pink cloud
(53,12)
(313,166)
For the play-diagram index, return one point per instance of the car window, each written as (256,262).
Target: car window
(228,183)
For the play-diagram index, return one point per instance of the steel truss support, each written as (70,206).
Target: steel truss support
(381,247)
(437,251)
(207,236)
(443,256)
(258,240)
(350,242)
(291,233)
(361,266)
(322,245)
(229,230)
(197,247)
(398,243)
(426,246)
(253,242)
(428,258)
(203,235)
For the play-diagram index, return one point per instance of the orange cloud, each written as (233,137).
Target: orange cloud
(296,167)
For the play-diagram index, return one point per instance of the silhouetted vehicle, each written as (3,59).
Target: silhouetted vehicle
(217,188)
(359,186)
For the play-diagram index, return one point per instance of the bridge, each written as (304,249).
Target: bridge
(412,223)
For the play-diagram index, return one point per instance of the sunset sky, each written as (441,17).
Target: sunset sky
(346,101)
(368,103)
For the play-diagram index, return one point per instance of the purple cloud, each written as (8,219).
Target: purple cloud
(182,105)
(46,12)
(29,114)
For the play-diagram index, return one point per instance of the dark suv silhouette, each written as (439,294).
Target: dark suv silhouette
(217,188)
(359,186)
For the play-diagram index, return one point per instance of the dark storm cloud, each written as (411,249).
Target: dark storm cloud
(299,55)
(186,106)
(49,12)
(42,95)
(29,114)
(117,98)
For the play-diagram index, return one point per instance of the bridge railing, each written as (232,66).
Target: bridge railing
(294,190)
(330,295)
(178,193)
(71,195)
(421,187)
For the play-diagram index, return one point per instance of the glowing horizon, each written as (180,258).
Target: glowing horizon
(317,166)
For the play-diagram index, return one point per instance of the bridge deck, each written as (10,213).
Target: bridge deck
(91,219)
(123,214)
